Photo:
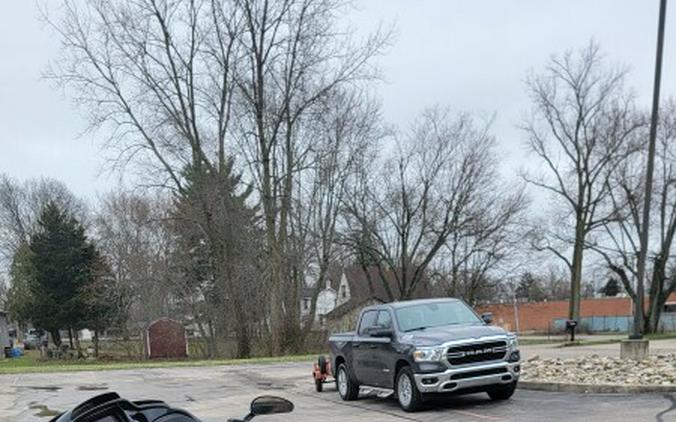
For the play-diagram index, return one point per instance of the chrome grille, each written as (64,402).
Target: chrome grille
(476,352)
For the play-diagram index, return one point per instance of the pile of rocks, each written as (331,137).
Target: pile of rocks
(593,369)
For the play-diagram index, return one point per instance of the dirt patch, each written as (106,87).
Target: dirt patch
(44,411)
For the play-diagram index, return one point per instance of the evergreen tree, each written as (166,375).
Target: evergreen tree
(612,288)
(20,300)
(53,274)
(530,288)
(217,249)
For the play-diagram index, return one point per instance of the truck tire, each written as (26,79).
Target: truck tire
(347,388)
(406,390)
(502,392)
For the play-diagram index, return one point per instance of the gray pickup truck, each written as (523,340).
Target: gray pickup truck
(420,348)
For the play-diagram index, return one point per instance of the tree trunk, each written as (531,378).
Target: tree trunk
(658,295)
(96,344)
(208,338)
(243,341)
(213,339)
(294,332)
(70,338)
(78,346)
(56,338)
(576,271)
(319,285)
(276,302)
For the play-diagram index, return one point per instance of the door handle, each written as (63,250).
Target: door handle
(356,345)
(373,346)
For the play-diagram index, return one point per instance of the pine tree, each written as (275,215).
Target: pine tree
(217,246)
(52,276)
(612,288)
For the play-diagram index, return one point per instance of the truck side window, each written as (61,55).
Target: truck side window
(384,319)
(368,320)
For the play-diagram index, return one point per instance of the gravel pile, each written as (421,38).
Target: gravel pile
(656,370)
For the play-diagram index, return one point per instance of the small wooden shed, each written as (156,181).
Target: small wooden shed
(165,338)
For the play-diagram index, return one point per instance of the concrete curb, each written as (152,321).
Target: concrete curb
(561,387)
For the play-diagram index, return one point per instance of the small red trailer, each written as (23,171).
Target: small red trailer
(321,372)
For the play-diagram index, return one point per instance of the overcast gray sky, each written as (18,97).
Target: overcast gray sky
(469,55)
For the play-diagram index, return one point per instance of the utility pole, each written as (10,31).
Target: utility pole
(637,332)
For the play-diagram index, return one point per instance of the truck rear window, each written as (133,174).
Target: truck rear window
(437,314)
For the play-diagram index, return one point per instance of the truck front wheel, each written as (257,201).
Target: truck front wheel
(502,392)
(408,395)
(348,389)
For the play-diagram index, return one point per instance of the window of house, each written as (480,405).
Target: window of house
(306,304)
(343,291)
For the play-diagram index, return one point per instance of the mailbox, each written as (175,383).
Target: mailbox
(570,327)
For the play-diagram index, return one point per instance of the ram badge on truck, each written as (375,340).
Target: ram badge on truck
(425,347)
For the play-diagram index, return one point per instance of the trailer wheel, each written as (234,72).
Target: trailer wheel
(322,365)
(319,385)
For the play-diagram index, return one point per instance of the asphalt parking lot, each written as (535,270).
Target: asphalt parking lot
(217,393)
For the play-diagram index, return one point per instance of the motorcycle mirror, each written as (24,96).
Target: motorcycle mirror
(268,405)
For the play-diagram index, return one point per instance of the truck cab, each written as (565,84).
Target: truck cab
(420,348)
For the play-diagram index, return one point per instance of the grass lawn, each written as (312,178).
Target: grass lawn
(30,362)
(661,336)
(525,341)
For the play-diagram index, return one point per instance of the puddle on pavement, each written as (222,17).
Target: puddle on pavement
(43,387)
(273,386)
(93,387)
(44,411)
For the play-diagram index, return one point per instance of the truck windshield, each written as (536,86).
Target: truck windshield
(427,315)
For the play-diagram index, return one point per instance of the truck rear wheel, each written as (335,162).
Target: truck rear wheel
(407,392)
(348,389)
(502,392)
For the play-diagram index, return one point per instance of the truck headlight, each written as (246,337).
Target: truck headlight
(512,342)
(428,354)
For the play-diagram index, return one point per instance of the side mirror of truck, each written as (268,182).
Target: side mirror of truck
(487,317)
(380,332)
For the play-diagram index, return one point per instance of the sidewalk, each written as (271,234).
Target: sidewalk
(563,337)
(556,351)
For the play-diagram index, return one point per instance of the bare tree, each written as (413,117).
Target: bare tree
(581,122)
(131,233)
(20,207)
(157,74)
(296,56)
(432,187)
(159,77)
(178,83)
(346,129)
(474,257)
(620,244)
